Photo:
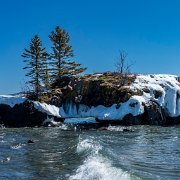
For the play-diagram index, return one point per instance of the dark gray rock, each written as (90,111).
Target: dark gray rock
(26,115)
(21,115)
(154,114)
(30,141)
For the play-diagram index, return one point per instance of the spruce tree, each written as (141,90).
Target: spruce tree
(45,78)
(61,64)
(36,66)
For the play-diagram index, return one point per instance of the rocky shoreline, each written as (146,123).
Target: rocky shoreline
(145,100)
(26,115)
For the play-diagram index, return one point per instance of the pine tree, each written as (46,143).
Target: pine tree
(35,59)
(61,65)
(46,79)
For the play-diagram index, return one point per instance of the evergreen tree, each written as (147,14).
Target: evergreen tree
(61,65)
(35,59)
(45,78)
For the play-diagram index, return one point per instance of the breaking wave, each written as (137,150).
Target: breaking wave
(96,166)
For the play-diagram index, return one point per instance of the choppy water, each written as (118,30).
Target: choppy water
(59,153)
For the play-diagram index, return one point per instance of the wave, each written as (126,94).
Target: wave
(119,128)
(90,144)
(17,146)
(64,127)
(96,166)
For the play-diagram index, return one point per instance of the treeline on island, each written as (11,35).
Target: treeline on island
(45,68)
(57,91)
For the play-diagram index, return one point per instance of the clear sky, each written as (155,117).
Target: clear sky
(148,30)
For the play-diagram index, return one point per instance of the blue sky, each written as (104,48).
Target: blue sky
(149,31)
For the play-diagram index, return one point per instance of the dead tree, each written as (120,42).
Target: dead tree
(123,67)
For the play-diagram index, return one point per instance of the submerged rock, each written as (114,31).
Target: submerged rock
(126,130)
(30,141)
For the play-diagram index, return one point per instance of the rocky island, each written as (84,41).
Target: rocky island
(98,100)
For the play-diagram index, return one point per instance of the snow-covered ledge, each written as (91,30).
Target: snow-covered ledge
(163,89)
(168,88)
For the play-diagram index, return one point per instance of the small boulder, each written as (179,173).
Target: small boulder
(30,141)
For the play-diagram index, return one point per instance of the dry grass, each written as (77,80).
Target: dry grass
(110,79)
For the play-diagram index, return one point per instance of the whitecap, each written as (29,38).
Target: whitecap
(63,127)
(17,146)
(99,168)
(118,128)
(96,166)
(88,144)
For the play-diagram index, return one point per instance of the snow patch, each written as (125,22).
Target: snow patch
(166,85)
(46,108)
(11,100)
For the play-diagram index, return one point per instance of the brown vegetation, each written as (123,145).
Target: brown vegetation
(91,89)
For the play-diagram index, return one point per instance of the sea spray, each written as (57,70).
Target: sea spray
(119,128)
(95,165)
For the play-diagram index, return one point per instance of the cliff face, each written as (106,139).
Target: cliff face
(93,90)
(142,99)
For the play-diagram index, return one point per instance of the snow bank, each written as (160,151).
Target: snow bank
(163,89)
(48,109)
(166,86)
(132,106)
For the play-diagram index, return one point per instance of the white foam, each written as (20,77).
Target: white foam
(17,146)
(63,127)
(95,166)
(116,128)
(89,144)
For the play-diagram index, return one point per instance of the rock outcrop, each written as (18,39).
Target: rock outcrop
(143,99)
(23,115)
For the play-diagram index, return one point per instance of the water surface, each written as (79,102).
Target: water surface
(145,152)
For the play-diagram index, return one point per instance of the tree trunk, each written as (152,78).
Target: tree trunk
(37,80)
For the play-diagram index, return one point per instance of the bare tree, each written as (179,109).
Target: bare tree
(123,67)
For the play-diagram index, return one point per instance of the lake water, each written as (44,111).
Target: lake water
(145,152)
